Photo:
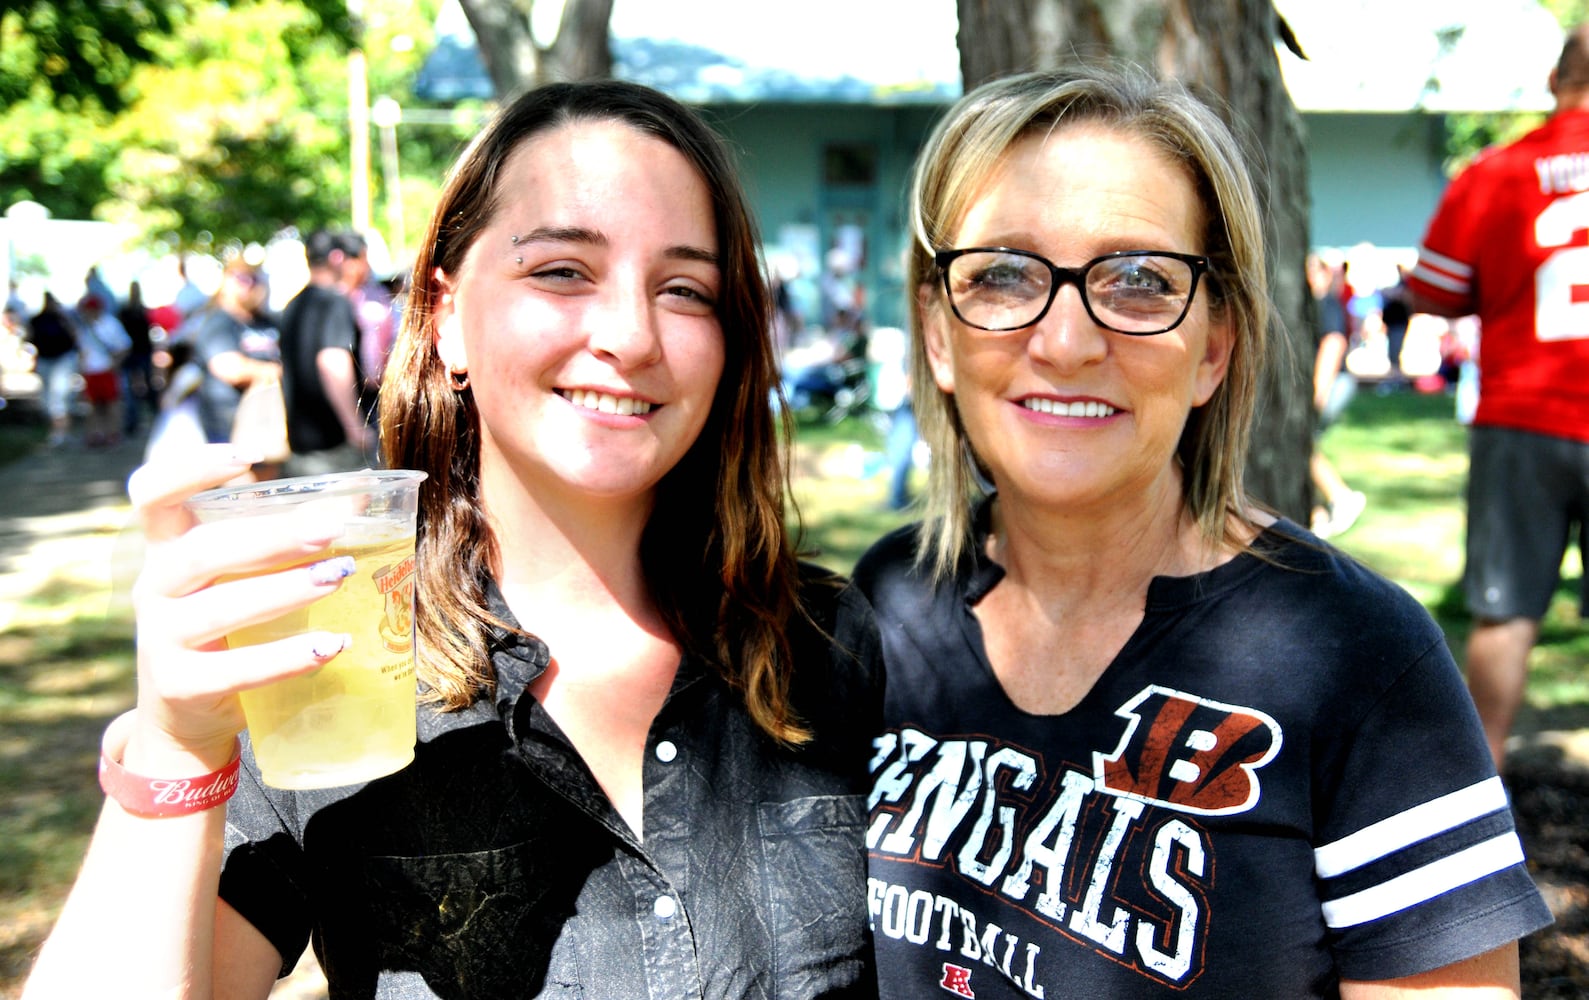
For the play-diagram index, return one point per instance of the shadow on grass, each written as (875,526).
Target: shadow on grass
(1412,495)
(1550,799)
(81,639)
(50,801)
(50,796)
(60,684)
(842,537)
(1414,413)
(18,440)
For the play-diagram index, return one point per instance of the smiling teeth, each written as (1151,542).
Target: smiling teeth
(624,406)
(1077,409)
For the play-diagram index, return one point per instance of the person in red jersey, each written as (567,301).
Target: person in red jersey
(1509,243)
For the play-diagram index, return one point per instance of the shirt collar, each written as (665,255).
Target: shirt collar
(517,657)
(984,572)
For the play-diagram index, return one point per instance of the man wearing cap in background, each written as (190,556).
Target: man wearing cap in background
(320,372)
(372,309)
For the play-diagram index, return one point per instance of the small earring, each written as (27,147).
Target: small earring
(459,378)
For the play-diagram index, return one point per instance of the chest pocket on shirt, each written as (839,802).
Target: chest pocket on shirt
(480,925)
(816,891)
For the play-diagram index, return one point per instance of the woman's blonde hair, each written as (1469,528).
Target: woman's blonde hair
(963,151)
(715,551)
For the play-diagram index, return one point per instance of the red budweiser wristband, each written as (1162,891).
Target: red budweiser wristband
(143,796)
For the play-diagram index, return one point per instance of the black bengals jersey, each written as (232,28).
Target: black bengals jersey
(1280,782)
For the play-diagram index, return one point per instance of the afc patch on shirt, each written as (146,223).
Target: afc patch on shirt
(957,980)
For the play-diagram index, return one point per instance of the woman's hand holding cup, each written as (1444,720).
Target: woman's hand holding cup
(188,679)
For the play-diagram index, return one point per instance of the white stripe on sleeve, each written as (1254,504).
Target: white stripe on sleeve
(1423,884)
(1438,279)
(1450,265)
(1418,823)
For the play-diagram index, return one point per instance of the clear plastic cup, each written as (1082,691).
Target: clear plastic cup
(353,719)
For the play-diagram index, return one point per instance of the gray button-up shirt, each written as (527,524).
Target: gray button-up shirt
(494,865)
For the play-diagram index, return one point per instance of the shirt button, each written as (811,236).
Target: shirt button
(666,751)
(665,907)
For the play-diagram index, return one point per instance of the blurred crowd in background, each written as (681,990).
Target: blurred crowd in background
(171,353)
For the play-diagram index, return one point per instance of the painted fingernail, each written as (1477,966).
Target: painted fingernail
(328,646)
(328,571)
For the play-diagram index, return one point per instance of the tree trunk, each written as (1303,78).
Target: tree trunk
(1225,47)
(514,61)
(582,50)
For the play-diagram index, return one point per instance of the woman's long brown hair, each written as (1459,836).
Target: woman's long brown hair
(716,551)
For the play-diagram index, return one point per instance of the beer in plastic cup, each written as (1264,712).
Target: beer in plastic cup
(353,719)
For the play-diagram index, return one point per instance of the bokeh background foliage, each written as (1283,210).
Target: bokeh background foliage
(198,121)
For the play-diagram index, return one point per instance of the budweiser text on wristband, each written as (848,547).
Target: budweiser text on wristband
(143,796)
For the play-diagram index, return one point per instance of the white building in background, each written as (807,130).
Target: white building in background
(1380,77)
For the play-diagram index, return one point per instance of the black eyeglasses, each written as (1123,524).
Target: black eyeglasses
(1136,292)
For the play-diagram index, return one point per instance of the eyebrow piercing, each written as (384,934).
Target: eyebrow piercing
(515,240)
(518,260)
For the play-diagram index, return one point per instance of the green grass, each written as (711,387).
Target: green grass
(839,490)
(19,439)
(1409,455)
(66,668)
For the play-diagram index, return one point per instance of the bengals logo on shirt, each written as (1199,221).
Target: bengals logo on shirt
(1188,753)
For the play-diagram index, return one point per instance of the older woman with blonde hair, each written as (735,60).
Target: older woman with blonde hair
(1143,738)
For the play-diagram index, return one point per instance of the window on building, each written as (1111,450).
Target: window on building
(849,165)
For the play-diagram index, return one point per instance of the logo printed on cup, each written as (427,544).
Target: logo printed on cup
(396,584)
